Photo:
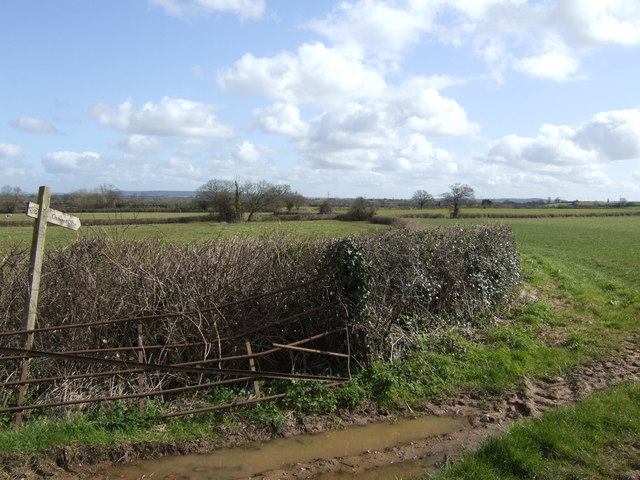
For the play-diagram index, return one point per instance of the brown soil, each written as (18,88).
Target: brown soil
(484,415)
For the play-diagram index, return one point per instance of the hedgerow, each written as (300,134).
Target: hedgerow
(391,289)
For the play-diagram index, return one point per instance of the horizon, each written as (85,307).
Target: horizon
(535,199)
(372,98)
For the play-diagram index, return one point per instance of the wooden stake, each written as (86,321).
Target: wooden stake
(141,387)
(252,365)
(35,270)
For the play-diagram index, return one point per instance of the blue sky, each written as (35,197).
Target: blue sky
(374,98)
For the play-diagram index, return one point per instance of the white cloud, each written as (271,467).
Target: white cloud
(34,125)
(281,118)
(578,153)
(244,9)
(615,135)
(546,40)
(72,162)
(553,65)
(140,144)
(426,111)
(170,116)
(365,137)
(598,23)
(314,75)
(377,27)
(8,150)
(247,152)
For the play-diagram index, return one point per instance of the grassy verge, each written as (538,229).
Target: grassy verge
(597,438)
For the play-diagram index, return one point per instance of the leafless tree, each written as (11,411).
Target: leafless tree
(458,194)
(223,197)
(10,198)
(421,198)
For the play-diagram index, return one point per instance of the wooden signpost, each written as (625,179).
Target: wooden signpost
(43,215)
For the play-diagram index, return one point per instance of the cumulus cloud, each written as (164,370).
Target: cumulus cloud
(281,118)
(170,116)
(314,75)
(247,152)
(542,39)
(577,152)
(244,9)
(72,162)
(427,111)
(360,137)
(372,133)
(140,144)
(34,125)
(375,27)
(553,65)
(597,23)
(8,150)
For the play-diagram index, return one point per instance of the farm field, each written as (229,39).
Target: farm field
(190,232)
(110,215)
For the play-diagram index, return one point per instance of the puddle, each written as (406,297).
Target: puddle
(254,458)
(407,470)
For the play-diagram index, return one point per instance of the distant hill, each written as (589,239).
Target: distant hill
(159,193)
(518,200)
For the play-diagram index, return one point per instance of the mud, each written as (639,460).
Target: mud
(481,415)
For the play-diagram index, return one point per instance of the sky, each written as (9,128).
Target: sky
(373,98)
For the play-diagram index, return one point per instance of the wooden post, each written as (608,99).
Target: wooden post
(252,365)
(37,254)
(141,388)
(35,269)
(43,215)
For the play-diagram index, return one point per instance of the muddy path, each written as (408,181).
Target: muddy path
(480,415)
(485,416)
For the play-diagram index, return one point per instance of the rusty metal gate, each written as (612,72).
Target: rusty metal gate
(124,359)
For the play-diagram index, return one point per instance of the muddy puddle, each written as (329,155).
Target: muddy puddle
(255,458)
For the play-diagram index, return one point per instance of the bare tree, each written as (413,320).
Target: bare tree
(458,194)
(293,200)
(263,196)
(10,198)
(421,198)
(223,197)
(109,195)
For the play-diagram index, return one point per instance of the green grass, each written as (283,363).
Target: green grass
(597,438)
(582,272)
(110,215)
(190,232)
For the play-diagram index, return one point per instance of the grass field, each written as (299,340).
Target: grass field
(189,232)
(583,272)
(110,215)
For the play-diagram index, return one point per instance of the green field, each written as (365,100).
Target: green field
(583,282)
(189,232)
